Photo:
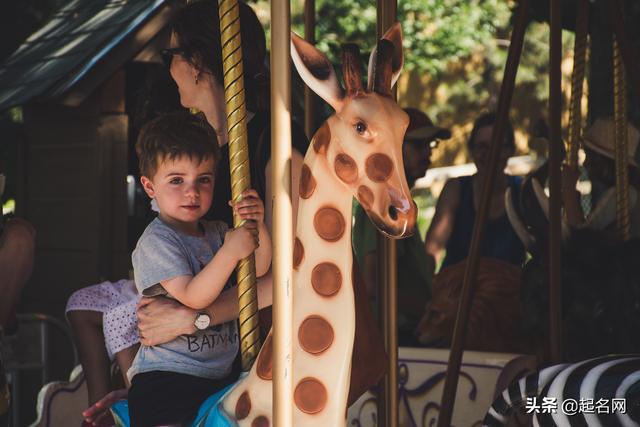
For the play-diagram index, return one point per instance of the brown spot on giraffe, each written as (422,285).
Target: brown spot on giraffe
(243,406)
(315,334)
(310,396)
(307,182)
(346,168)
(298,253)
(264,368)
(321,139)
(326,279)
(260,421)
(365,197)
(329,224)
(379,167)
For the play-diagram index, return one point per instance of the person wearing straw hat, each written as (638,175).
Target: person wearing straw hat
(599,146)
(414,287)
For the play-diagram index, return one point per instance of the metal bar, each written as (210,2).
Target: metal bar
(619,30)
(380,277)
(577,81)
(386,16)
(282,213)
(239,167)
(391,331)
(462,317)
(44,351)
(555,200)
(309,96)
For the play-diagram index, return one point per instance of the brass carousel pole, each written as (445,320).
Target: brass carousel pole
(621,153)
(309,96)
(617,22)
(229,13)
(555,200)
(282,213)
(577,82)
(387,260)
(471,270)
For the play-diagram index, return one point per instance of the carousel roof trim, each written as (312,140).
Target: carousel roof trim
(82,36)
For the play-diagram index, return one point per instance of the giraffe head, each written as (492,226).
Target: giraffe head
(362,141)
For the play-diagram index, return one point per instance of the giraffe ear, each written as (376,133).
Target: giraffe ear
(316,71)
(394,35)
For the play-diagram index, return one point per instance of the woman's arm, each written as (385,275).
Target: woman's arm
(442,223)
(161,320)
(17,248)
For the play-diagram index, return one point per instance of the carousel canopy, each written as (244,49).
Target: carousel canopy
(82,45)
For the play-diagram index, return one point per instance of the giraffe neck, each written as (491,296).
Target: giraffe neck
(323,308)
(323,302)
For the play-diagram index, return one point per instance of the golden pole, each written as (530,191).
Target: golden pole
(239,166)
(387,259)
(621,153)
(282,213)
(577,82)
(309,96)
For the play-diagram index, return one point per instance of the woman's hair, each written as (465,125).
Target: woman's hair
(197,31)
(489,119)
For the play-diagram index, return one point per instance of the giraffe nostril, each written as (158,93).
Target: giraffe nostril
(393,212)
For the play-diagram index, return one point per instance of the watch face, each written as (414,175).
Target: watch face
(202,321)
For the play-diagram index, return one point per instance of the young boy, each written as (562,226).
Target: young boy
(181,256)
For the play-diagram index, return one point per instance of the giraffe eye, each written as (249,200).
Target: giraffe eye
(361,128)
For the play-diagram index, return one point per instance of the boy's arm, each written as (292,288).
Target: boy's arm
(263,253)
(201,290)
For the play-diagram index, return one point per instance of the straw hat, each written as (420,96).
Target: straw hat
(601,137)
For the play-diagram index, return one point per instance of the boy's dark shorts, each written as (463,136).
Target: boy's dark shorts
(161,398)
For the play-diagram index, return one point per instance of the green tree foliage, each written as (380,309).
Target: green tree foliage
(436,32)
(455,52)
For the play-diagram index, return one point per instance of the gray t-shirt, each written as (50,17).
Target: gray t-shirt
(163,253)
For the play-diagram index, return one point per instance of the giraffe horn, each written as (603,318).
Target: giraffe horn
(382,71)
(351,70)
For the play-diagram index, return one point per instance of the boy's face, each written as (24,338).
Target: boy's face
(183,189)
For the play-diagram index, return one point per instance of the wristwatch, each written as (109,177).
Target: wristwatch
(202,321)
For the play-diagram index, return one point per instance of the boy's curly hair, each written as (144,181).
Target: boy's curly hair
(173,135)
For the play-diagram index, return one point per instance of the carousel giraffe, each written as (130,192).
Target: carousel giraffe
(357,152)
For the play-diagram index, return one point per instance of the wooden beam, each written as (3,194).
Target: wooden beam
(462,318)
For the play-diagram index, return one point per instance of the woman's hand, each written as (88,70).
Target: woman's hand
(161,320)
(98,414)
